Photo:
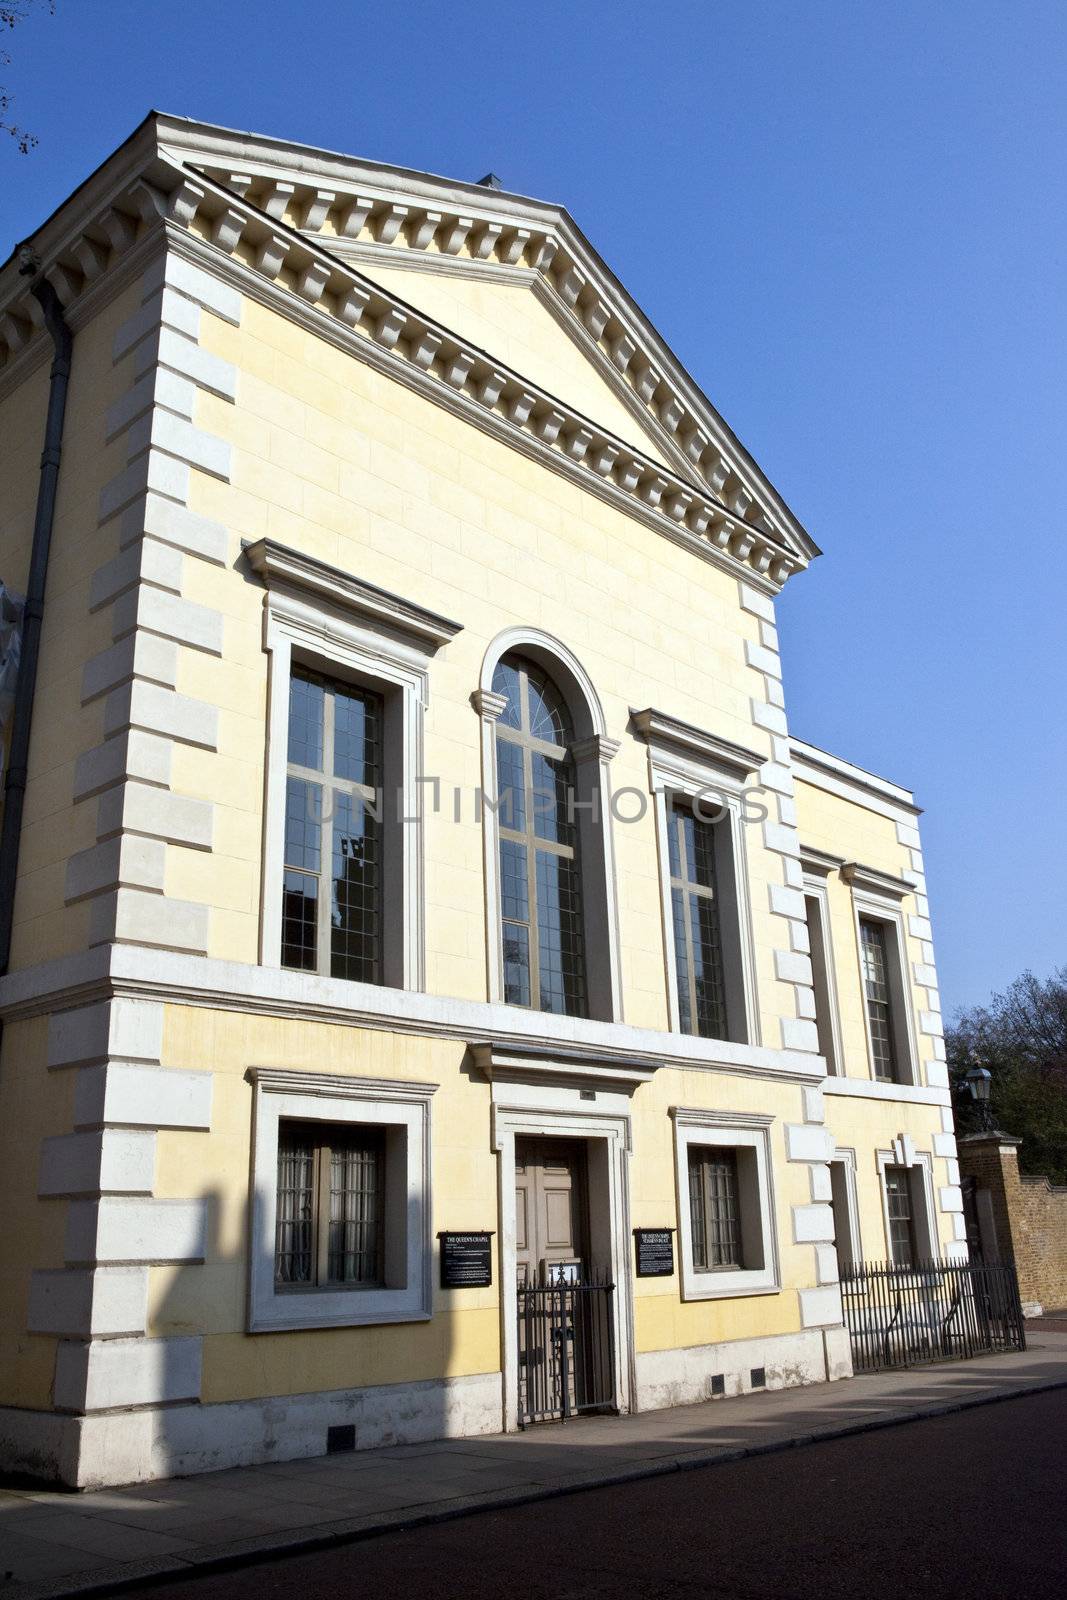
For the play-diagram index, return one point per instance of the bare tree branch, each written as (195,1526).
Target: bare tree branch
(12,12)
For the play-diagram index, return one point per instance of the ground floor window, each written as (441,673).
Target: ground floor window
(715,1201)
(726,1204)
(908,1205)
(340,1202)
(331,1206)
(898,1198)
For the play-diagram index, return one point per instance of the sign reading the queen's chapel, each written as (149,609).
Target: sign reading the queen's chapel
(466,1260)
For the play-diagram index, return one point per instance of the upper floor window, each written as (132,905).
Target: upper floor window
(884,1053)
(816,912)
(332,872)
(343,851)
(698,952)
(542,927)
(698,781)
(881,944)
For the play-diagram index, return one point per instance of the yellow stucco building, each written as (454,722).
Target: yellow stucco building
(421,898)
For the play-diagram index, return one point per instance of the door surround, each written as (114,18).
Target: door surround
(607,1137)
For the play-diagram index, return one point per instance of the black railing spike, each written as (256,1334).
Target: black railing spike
(934,1309)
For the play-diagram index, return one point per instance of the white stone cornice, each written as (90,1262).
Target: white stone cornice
(388,327)
(874,881)
(664,731)
(380,327)
(131,972)
(334,1086)
(379,202)
(837,776)
(278,565)
(819,861)
(541,1064)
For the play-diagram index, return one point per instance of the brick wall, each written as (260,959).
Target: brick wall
(1021,1217)
(1040,1226)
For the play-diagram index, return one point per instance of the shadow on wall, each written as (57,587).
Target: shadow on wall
(227,1397)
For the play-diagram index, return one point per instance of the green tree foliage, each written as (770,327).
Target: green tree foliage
(1021,1037)
(12,12)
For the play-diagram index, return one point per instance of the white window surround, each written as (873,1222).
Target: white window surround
(824,974)
(592,752)
(403,1110)
(328,620)
(688,762)
(738,1131)
(920,1167)
(876,896)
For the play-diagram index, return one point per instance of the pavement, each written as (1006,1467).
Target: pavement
(55,1543)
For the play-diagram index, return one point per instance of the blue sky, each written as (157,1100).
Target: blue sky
(847,218)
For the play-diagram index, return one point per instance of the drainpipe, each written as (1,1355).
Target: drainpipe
(22,716)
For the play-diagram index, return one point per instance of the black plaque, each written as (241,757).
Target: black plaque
(655,1252)
(466,1260)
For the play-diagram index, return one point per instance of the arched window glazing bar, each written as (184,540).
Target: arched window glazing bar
(541,914)
(551,914)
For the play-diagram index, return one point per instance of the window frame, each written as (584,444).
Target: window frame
(824,975)
(324,1144)
(843,1184)
(527,839)
(749,1136)
(870,906)
(330,786)
(592,753)
(686,884)
(333,623)
(684,763)
(703,1157)
(898,1184)
(402,1110)
(919,1166)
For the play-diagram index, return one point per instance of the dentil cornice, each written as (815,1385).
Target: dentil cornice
(366,211)
(289,268)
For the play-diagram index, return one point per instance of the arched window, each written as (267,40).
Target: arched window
(542,922)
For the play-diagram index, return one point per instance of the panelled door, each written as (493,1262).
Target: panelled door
(549,1207)
(565,1339)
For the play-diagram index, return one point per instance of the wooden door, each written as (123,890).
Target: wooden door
(550,1206)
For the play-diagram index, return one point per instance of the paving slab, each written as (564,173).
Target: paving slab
(56,1543)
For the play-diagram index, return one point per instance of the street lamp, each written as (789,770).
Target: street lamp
(979,1081)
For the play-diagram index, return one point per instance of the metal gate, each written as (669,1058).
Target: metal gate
(933,1311)
(566,1350)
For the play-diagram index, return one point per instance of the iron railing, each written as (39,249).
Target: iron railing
(566,1350)
(932,1311)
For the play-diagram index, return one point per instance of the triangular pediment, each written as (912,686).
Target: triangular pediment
(368,213)
(493,304)
(511,319)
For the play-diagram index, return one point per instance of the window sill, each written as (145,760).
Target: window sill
(728,1285)
(295,1312)
(872,1089)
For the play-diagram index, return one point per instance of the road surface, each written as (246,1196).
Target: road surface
(967,1507)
